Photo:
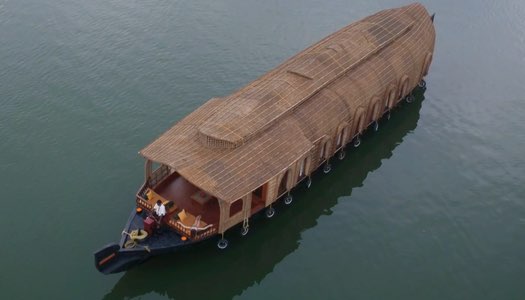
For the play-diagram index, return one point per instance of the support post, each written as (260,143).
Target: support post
(147,169)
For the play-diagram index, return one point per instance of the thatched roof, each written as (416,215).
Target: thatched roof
(231,146)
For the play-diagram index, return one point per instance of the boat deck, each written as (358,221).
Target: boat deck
(186,196)
(161,239)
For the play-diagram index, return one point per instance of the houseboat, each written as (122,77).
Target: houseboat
(235,156)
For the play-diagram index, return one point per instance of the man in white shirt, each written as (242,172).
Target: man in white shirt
(159,210)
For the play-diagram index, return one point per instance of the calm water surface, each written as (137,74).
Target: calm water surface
(430,207)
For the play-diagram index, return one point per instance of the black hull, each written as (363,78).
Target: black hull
(115,258)
(112,259)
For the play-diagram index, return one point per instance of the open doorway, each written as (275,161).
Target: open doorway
(283,184)
(259,198)
(302,169)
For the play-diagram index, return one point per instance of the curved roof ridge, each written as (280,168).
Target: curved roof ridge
(234,124)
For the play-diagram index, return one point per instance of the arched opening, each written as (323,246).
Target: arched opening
(324,150)
(283,185)
(259,196)
(302,168)
(258,193)
(426,64)
(374,110)
(359,121)
(235,207)
(403,87)
(341,137)
(186,204)
(360,124)
(155,173)
(391,100)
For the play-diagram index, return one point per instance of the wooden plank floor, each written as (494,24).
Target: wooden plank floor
(177,189)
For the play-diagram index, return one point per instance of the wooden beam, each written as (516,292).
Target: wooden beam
(147,169)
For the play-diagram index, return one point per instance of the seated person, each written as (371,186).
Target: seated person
(159,211)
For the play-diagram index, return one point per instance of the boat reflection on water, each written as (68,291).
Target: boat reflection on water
(208,273)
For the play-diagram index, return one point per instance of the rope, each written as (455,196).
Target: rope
(134,234)
(130,244)
(134,237)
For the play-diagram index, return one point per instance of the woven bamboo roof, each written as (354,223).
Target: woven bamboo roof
(230,146)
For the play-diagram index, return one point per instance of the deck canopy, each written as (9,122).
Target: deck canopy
(231,146)
(227,174)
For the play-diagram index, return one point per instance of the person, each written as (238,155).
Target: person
(159,211)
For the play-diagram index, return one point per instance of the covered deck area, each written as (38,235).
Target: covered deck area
(189,198)
(190,211)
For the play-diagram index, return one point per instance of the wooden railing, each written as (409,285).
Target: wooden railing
(141,197)
(194,233)
(158,175)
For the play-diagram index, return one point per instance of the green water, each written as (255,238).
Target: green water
(430,207)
